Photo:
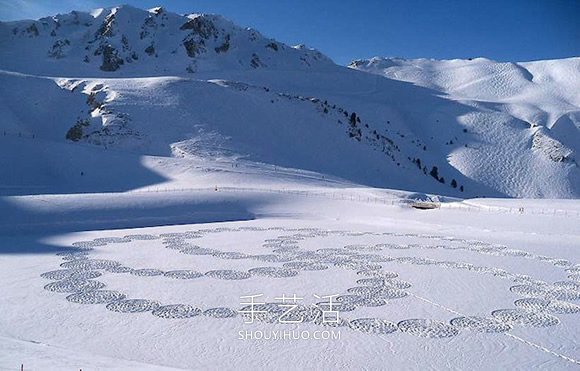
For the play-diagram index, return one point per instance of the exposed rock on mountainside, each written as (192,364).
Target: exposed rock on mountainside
(159,83)
(118,38)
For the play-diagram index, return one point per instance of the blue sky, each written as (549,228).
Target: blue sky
(504,30)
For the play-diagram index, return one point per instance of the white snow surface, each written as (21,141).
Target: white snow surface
(157,83)
(518,272)
(188,182)
(529,110)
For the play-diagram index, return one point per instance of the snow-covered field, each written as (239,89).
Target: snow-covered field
(446,288)
(178,192)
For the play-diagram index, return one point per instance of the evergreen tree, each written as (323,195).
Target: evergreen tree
(434,172)
(353,119)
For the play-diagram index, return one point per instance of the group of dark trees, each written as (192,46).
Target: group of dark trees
(435,174)
(354,131)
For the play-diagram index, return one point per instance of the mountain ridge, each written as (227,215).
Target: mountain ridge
(462,128)
(135,42)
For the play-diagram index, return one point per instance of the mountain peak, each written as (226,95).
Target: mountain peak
(125,40)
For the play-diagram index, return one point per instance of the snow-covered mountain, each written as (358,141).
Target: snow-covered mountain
(167,182)
(199,88)
(135,42)
(527,114)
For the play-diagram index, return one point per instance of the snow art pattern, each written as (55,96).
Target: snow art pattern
(539,305)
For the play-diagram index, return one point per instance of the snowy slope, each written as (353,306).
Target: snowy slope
(127,41)
(529,111)
(139,201)
(160,84)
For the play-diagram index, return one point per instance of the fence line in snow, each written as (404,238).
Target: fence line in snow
(352,196)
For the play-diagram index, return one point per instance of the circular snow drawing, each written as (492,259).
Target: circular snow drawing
(382,292)
(357,265)
(133,306)
(90,264)
(397,283)
(372,302)
(562,307)
(230,255)
(375,286)
(530,291)
(566,294)
(371,281)
(271,258)
(481,324)
(88,244)
(194,250)
(74,255)
(181,246)
(74,252)
(183,274)
(112,240)
(141,237)
(532,304)
(74,285)
(177,311)
(172,235)
(427,328)
(373,325)
(305,266)
(70,257)
(570,285)
(546,292)
(381,274)
(524,318)
(274,272)
(334,322)
(358,247)
(373,258)
(62,274)
(220,312)
(119,269)
(267,312)
(303,314)
(147,272)
(95,297)
(226,274)
(349,299)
